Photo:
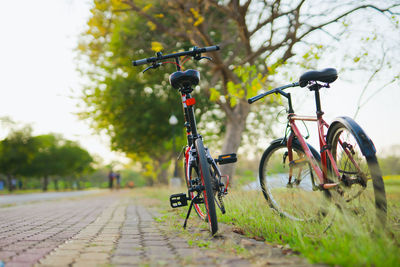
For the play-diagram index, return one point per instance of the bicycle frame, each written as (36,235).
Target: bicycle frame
(325,152)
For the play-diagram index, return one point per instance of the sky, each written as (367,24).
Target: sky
(38,78)
(39,82)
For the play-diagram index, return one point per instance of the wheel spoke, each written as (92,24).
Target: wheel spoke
(289,187)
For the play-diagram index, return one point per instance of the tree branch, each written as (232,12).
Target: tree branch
(313,28)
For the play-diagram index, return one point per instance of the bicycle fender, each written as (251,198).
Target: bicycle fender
(295,141)
(366,145)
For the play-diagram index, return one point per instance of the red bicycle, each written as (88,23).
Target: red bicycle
(297,180)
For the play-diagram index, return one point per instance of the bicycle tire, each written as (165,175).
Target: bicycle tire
(300,199)
(358,196)
(208,191)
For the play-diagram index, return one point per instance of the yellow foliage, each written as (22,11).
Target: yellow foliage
(199,18)
(214,94)
(151,25)
(194,12)
(233,101)
(116,4)
(198,21)
(147,7)
(156,46)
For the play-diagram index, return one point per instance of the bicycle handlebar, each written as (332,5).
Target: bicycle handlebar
(277,90)
(194,52)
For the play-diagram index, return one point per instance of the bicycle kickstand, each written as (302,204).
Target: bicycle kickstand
(190,209)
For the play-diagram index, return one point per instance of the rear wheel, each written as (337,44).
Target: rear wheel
(361,191)
(208,192)
(291,186)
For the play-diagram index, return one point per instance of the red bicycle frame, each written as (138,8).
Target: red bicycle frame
(324,151)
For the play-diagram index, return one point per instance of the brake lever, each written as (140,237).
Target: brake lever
(154,66)
(209,58)
(199,57)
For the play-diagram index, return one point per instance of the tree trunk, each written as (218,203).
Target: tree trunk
(65,182)
(162,164)
(9,183)
(236,124)
(45,182)
(162,176)
(55,181)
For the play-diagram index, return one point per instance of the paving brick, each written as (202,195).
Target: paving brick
(106,230)
(16,264)
(157,243)
(127,260)
(65,253)
(94,256)
(46,244)
(5,255)
(55,261)
(127,252)
(131,246)
(28,257)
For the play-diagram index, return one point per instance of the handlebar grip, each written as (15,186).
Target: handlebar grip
(139,62)
(211,48)
(255,98)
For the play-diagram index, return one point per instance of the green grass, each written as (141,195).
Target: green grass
(336,240)
(347,242)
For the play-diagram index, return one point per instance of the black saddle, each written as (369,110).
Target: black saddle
(328,75)
(184,79)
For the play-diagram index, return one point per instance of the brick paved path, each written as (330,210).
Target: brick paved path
(105,230)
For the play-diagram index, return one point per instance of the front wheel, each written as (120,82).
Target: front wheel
(361,190)
(289,183)
(208,192)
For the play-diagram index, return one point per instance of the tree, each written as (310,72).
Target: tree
(257,37)
(72,161)
(43,161)
(16,153)
(56,157)
(124,103)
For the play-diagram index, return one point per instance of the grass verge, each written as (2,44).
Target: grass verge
(335,240)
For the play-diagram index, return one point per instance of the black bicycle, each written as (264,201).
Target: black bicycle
(206,185)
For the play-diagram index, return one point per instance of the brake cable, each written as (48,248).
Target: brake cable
(308,133)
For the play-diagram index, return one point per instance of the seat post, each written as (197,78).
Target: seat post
(315,87)
(318,103)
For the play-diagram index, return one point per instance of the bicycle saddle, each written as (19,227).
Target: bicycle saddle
(184,79)
(328,75)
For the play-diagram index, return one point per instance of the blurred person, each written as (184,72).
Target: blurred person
(118,179)
(111,176)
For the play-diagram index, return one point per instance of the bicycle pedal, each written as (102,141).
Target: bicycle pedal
(227,158)
(178,200)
